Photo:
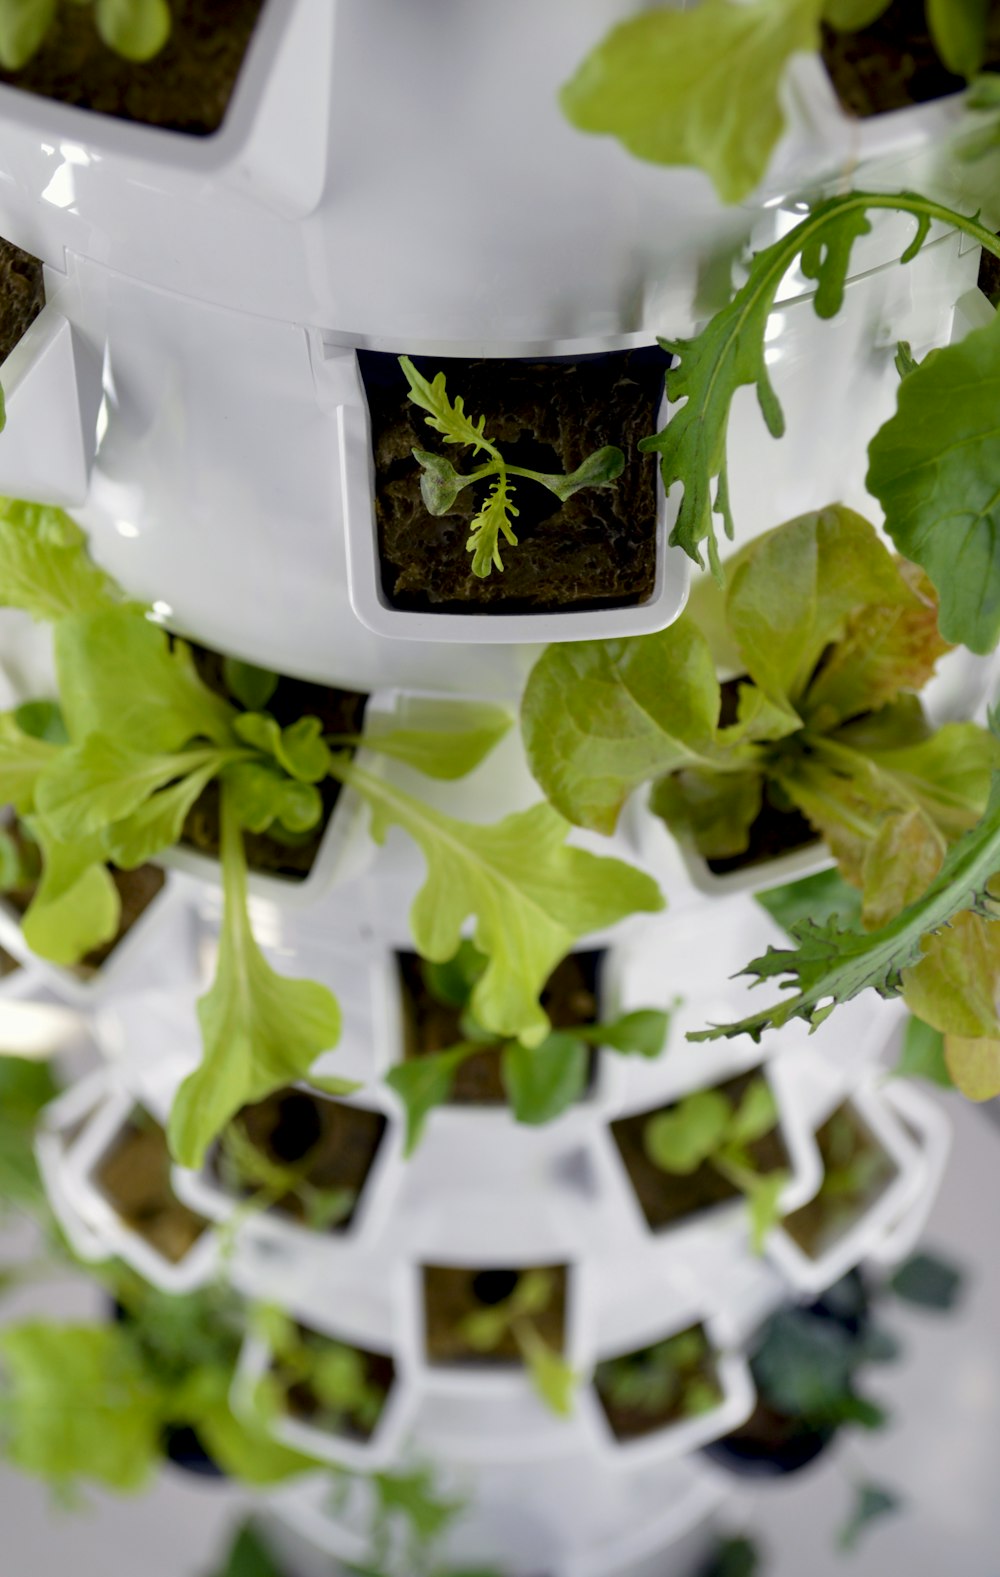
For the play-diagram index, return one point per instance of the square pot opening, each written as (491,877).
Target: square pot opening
(22,294)
(456,1295)
(664,1383)
(300,1155)
(668,1199)
(571,997)
(345,1393)
(186,87)
(136,891)
(857,1171)
(892,64)
(340,711)
(597,550)
(134,1176)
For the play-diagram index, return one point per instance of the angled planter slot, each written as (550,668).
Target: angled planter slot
(52,390)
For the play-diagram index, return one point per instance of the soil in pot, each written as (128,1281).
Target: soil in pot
(667,1198)
(893,63)
(22,294)
(340,711)
(325,1148)
(656,1386)
(598,550)
(453,1292)
(304,1401)
(136,891)
(570,998)
(8,964)
(857,1170)
(133,1174)
(186,87)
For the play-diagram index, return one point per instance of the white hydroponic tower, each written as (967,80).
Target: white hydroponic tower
(398,177)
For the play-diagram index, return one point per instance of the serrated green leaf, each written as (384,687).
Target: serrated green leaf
(931,467)
(135,29)
(531,895)
(492,521)
(444,415)
(682,1139)
(824,896)
(423,1083)
(260,1030)
(45,565)
(831,965)
(251,686)
(543,1081)
(445,753)
(657,80)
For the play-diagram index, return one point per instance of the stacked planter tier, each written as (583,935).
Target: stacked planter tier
(191,393)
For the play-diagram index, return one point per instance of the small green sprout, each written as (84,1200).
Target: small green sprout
(484,1329)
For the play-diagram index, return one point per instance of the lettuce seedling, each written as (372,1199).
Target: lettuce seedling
(835,638)
(673,1378)
(541,1081)
(135,29)
(655,81)
(704,1127)
(484,1329)
(333,1373)
(440,483)
(146,736)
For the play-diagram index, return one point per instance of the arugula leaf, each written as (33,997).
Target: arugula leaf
(831,965)
(261,1030)
(543,1081)
(657,81)
(492,521)
(135,29)
(120,675)
(824,896)
(931,469)
(446,416)
(45,566)
(423,1083)
(78,1405)
(531,895)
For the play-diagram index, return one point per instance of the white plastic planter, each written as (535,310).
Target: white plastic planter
(812,1275)
(929,1128)
(160,945)
(59,1126)
(204,1193)
(638,1309)
(388,1435)
(199,1264)
(673,567)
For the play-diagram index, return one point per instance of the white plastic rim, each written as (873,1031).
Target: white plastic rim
(201,1262)
(52,391)
(930,1129)
(670,591)
(56,1130)
(813,1276)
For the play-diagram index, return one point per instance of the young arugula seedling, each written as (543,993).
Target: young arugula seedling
(334,1373)
(440,483)
(484,1329)
(541,1081)
(704,1127)
(146,738)
(667,1378)
(135,29)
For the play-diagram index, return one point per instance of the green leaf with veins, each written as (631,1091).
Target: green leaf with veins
(657,81)
(119,675)
(825,896)
(76,906)
(441,753)
(446,416)
(492,521)
(532,897)
(22,760)
(831,965)
(543,1081)
(157,824)
(90,785)
(261,1030)
(134,29)
(598,720)
(45,565)
(932,469)
(729,352)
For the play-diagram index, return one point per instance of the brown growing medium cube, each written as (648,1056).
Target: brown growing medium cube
(893,63)
(635,1389)
(667,1197)
(303,1404)
(133,1174)
(596,550)
(857,1170)
(330,1145)
(22,294)
(570,998)
(340,712)
(186,87)
(453,1291)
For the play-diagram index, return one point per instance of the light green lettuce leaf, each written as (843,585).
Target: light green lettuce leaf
(45,566)
(542,1081)
(157,824)
(531,896)
(104,779)
(444,753)
(425,1082)
(698,87)
(712,812)
(260,1030)
(76,907)
(22,760)
(135,29)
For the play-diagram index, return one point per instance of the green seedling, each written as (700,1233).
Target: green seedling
(484,1330)
(135,29)
(669,1377)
